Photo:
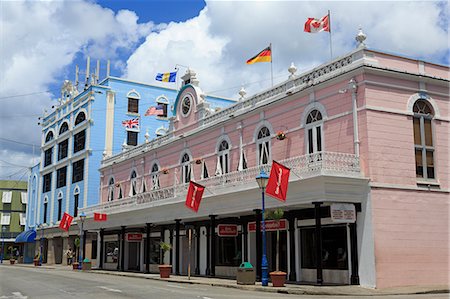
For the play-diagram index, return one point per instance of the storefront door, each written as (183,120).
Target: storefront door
(134,256)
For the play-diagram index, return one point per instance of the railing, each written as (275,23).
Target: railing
(322,163)
(9,235)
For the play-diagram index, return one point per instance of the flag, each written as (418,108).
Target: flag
(100,217)
(278,181)
(263,56)
(155,110)
(166,77)
(194,196)
(314,25)
(131,123)
(65,222)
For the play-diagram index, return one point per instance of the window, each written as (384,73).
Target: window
(60,198)
(133,184)
(76,200)
(79,140)
(228,251)
(22,219)
(6,218)
(205,174)
(63,148)
(154,251)
(80,118)
(48,157)
(185,169)
(222,158)
(334,247)
(423,140)
(242,162)
(186,106)
(163,102)
(47,182)
(24,197)
(155,177)
(313,130)
(45,209)
(263,146)
(78,171)
(111,189)
(133,105)
(6,196)
(64,128)
(132,138)
(94,250)
(120,193)
(61,175)
(112,252)
(49,136)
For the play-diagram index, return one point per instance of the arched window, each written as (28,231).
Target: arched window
(64,128)
(313,130)
(423,139)
(223,154)
(111,189)
(185,168)
(263,146)
(60,198)
(155,177)
(49,136)
(133,183)
(45,209)
(80,118)
(76,201)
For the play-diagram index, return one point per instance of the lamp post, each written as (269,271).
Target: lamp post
(262,179)
(41,244)
(80,258)
(3,243)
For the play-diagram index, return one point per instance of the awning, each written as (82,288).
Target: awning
(26,236)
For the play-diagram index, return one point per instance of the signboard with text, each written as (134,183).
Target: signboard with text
(343,212)
(271,225)
(134,237)
(227,230)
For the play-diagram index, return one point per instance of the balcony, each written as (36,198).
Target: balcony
(302,167)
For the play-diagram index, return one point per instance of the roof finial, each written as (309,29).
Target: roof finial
(242,93)
(360,38)
(292,69)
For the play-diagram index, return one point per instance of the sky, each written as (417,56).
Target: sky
(42,41)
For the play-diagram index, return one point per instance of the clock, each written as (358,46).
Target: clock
(186,106)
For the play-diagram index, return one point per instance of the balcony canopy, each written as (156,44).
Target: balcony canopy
(26,236)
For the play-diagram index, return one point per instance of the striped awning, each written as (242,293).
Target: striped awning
(26,236)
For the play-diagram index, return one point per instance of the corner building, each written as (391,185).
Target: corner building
(368,130)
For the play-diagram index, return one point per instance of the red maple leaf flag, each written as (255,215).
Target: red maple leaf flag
(65,222)
(278,181)
(194,196)
(100,217)
(314,25)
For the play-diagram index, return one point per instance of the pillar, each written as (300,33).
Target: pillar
(258,243)
(122,252)
(213,244)
(354,278)
(318,244)
(147,247)
(177,246)
(197,250)
(292,274)
(101,258)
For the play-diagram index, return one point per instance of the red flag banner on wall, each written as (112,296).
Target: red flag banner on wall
(65,222)
(278,181)
(100,217)
(194,196)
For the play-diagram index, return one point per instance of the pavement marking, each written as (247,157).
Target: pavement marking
(111,290)
(175,286)
(207,297)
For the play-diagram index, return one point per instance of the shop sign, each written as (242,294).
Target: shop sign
(134,237)
(271,225)
(343,212)
(227,230)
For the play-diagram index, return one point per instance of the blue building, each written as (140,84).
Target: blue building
(106,118)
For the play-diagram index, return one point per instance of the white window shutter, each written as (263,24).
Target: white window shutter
(6,196)
(24,197)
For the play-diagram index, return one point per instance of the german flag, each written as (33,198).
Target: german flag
(263,56)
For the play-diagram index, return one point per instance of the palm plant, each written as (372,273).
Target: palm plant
(276,215)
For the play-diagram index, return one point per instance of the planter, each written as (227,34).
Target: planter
(12,261)
(75,266)
(278,278)
(165,270)
(86,266)
(36,262)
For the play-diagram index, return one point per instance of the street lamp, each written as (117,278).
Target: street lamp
(3,243)
(80,258)
(262,179)
(41,244)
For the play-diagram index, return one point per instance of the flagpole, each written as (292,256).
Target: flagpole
(329,24)
(271,65)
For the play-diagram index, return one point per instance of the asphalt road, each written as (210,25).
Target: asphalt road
(28,283)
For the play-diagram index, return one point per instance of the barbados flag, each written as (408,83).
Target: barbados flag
(166,77)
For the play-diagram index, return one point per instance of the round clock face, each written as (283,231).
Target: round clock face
(186,106)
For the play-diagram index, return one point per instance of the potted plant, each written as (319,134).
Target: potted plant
(278,277)
(75,264)
(165,170)
(164,270)
(281,135)
(198,161)
(12,260)
(36,260)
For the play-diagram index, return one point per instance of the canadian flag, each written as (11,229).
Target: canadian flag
(314,25)
(278,181)
(100,217)
(65,222)
(194,196)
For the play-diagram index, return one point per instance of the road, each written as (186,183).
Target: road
(30,283)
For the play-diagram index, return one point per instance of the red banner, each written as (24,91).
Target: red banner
(65,222)
(271,225)
(194,196)
(278,181)
(100,217)
(134,237)
(227,230)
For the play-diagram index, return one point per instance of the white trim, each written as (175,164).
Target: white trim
(191,107)
(65,121)
(86,115)
(422,96)
(162,99)
(130,96)
(309,108)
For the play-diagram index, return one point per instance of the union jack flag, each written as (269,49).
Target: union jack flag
(131,123)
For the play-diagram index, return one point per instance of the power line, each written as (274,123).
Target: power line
(27,94)
(18,142)
(12,164)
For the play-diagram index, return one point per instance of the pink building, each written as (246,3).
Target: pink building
(367,132)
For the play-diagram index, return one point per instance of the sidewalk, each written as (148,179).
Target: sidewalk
(348,290)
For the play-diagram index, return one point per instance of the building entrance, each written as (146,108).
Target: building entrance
(134,253)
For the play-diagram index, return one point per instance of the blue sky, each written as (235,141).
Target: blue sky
(46,39)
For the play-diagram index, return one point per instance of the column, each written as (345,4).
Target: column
(101,258)
(208,251)
(122,252)
(245,239)
(318,242)
(171,250)
(197,250)
(258,243)
(177,246)
(213,244)
(354,278)
(292,264)
(147,247)
(119,238)
(84,245)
